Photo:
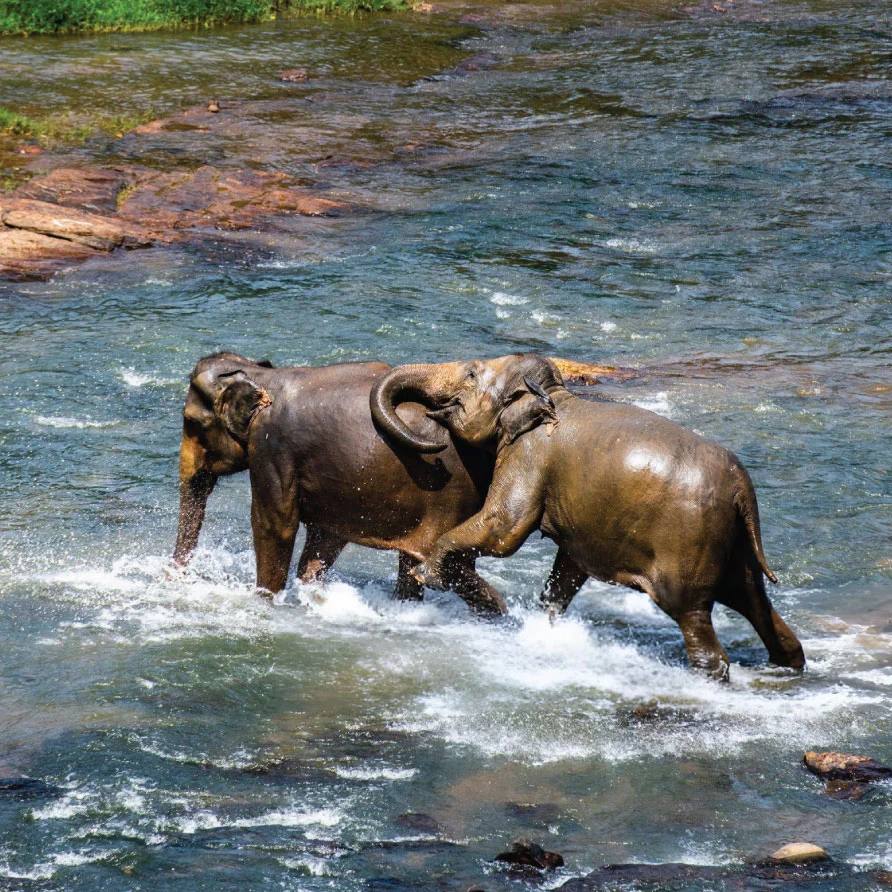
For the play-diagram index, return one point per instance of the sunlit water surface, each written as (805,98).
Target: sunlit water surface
(701,195)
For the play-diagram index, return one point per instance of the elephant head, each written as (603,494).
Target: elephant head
(222,401)
(485,403)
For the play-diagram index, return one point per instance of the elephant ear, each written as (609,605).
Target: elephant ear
(528,407)
(238,402)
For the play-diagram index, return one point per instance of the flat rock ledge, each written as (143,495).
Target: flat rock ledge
(69,215)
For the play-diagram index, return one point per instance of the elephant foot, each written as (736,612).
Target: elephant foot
(264,594)
(425,574)
(407,587)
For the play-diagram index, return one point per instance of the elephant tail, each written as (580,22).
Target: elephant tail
(748,509)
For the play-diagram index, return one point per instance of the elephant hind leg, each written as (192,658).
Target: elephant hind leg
(704,649)
(460,574)
(407,588)
(565,579)
(321,550)
(745,593)
(692,610)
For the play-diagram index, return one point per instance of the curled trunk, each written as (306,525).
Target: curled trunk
(404,383)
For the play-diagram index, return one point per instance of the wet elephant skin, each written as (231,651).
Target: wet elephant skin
(628,496)
(314,455)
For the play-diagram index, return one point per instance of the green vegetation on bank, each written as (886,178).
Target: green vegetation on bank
(65,129)
(66,16)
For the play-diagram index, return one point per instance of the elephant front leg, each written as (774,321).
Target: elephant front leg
(564,581)
(275,529)
(320,551)
(511,512)
(462,577)
(407,587)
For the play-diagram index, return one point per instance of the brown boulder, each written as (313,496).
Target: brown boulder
(525,853)
(800,853)
(294,75)
(846,767)
(574,372)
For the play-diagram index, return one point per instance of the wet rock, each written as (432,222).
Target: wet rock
(91,230)
(294,75)
(27,789)
(754,877)
(30,150)
(340,163)
(30,255)
(477,62)
(846,767)
(587,373)
(800,853)
(847,790)
(419,822)
(222,199)
(91,189)
(525,853)
(543,814)
(472,18)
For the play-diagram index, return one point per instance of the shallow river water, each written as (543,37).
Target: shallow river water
(700,194)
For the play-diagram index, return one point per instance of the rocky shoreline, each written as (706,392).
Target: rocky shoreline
(72,214)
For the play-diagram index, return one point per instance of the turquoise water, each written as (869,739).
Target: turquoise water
(703,196)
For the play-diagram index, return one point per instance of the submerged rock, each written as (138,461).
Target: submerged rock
(421,822)
(847,790)
(294,75)
(543,813)
(766,876)
(525,853)
(26,789)
(846,767)
(800,853)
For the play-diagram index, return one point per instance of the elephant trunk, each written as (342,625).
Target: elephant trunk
(196,485)
(405,382)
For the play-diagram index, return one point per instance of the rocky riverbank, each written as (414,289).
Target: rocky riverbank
(72,214)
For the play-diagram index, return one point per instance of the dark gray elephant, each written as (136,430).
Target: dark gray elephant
(628,496)
(314,456)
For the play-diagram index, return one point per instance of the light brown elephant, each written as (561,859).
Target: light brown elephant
(628,496)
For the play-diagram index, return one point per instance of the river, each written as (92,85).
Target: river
(701,194)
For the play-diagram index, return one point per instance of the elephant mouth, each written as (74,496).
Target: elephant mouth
(445,412)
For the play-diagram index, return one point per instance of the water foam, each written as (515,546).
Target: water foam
(62,422)
(135,379)
(502,299)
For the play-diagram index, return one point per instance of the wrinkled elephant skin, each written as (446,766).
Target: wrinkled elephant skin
(314,456)
(628,496)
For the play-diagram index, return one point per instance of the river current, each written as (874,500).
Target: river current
(701,194)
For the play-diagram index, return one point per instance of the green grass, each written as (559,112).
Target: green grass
(16,124)
(66,129)
(64,16)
